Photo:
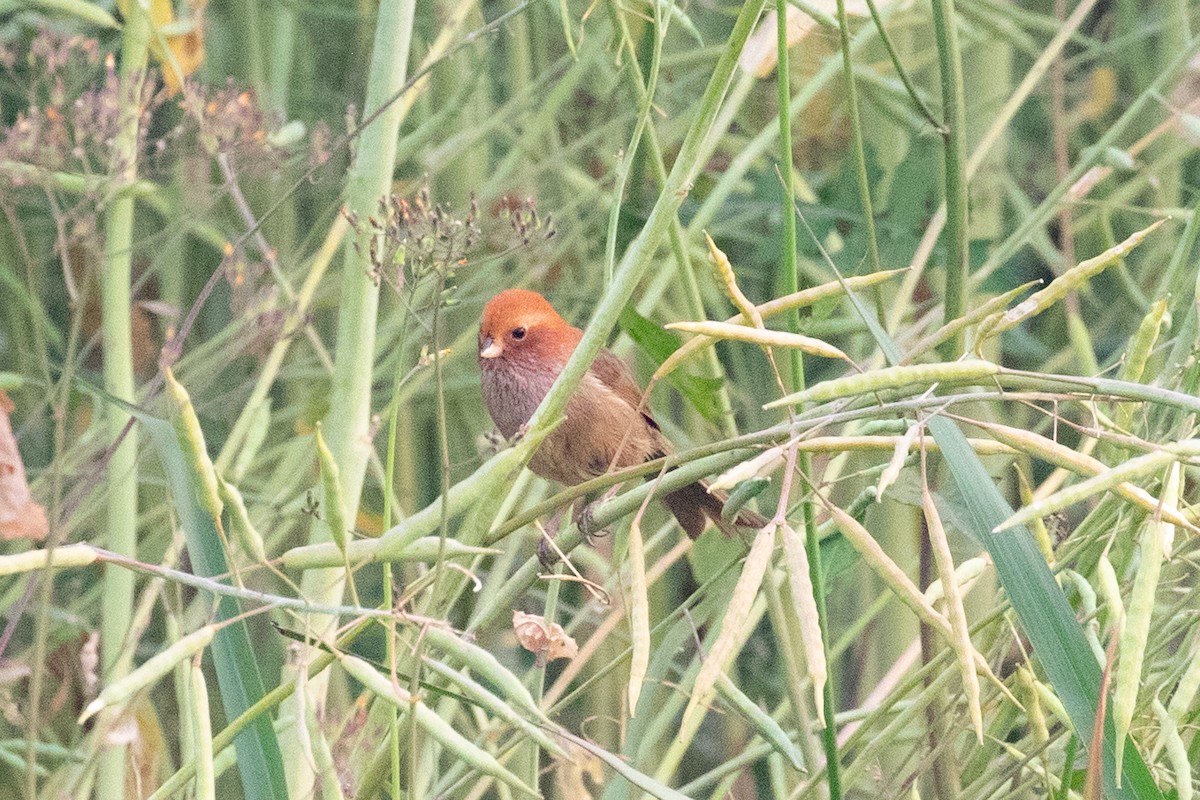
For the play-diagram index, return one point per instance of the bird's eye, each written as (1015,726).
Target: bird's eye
(518,333)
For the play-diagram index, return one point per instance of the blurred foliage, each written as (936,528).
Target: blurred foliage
(504,176)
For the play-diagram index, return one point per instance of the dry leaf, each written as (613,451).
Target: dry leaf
(761,53)
(20,517)
(570,772)
(547,642)
(184,38)
(1101,96)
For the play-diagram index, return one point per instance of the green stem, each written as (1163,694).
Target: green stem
(439,566)
(791,275)
(550,614)
(754,151)
(687,271)
(811,543)
(282,57)
(918,101)
(626,161)
(860,152)
(389,481)
(348,421)
(958,263)
(642,250)
(246,16)
(116,302)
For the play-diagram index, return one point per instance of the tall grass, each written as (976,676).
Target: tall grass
(305,234)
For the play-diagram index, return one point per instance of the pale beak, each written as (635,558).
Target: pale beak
(489,348)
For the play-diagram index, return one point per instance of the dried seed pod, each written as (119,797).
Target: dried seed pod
(1110,479)
(963,649)
(1070,280)
(801,299)
(761,466)
(206,778)
(639,615)
(733,623)
(878,380)
(760,336)
(899,456)
(728,280)
(804,600)
(1135,632)
(244,532)
(149,672)
(71,555)
(203,477)
(335,509)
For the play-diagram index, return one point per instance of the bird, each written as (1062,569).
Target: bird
(523,346)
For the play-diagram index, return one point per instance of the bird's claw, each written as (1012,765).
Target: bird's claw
(587,524)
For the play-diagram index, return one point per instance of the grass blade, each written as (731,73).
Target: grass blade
(240,682)
(1040,605)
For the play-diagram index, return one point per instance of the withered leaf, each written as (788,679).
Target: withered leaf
(20,516)
(547,641)
(569,773)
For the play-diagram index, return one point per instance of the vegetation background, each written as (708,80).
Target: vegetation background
(292,212)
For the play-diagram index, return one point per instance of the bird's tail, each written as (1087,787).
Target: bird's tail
(693,506)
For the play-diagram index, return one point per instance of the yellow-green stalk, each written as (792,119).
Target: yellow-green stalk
(116,286)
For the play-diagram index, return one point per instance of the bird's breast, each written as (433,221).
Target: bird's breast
(512,392)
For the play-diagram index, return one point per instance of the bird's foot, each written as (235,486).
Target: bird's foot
(587,524)
(585,517)
(549,553)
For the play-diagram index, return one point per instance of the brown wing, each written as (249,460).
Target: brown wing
(616,375)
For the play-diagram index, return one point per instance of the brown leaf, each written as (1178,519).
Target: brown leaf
(547,641)
(20,517)
(570,772)
(184,41)
(761,52)
(1093,784)
(147,756)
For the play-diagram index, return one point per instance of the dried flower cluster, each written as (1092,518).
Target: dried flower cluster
(409,240)
(523,215)
(73,109)
(231,121)
(65,127)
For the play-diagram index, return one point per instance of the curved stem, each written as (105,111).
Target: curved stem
(642,250)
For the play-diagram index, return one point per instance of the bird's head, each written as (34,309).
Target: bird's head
(520,326)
